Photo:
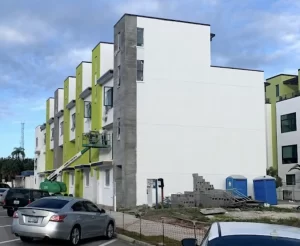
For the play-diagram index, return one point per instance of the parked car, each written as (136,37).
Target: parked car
(248,234)
(64,218)
(3,185)
(20,197)
(3,192)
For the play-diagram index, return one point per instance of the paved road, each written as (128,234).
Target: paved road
(8,239)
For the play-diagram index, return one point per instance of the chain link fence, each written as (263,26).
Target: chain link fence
(163,231)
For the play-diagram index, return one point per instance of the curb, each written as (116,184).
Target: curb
(132,240)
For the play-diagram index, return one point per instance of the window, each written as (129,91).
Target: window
(288,123)
(119,41)
(87,110)
(140,37)
(290,179)
(119,75)
(108,96)
(277,90)
(91,207)
(61,128)
(119,129)
(87,178)
(79,207)
(107,177)
(44,138)
(140,70)
(52,203)
(52,133)
(289,154)
(73,121)
(36,142)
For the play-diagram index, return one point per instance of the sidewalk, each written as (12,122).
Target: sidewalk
(151,228)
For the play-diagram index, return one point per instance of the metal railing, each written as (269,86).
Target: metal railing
(288,96)
(158,231)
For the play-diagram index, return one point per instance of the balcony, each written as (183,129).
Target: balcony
(95,139)
(288,96)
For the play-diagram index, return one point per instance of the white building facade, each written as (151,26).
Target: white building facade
(40,154)
(288,146)
(175,114)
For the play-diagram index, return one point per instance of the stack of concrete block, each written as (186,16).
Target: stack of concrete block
(203,195)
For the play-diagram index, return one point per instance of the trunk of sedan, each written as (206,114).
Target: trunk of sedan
(35,216)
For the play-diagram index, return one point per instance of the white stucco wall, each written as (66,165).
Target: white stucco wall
(39,156)
(72,132)
(194,118)
(60,99)
(86,75)
(269,135)
(72,89)
(87,122)
(61,134)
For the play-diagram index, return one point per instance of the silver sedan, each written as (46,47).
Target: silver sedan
(65,218)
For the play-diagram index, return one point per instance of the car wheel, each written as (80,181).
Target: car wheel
(75,236)
(10,212)
(26,239)
(110,230)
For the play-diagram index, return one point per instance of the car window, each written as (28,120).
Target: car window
(48,203)
(45,194)
(205,239)
(79,207)
(91,207)
(2,190)
(18,193)
(36,194)
(2,185)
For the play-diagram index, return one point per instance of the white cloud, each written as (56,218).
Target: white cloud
(138,7)
(70,58)
(24,29)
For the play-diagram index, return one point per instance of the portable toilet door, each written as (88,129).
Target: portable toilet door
(237,185)
(265,189)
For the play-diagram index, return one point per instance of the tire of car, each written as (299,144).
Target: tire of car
(26,239)
(75,236)
(110,231)
(10,212)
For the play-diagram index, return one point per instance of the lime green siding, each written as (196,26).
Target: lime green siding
(96,98)
(69,147)
(271,95)
(49,152)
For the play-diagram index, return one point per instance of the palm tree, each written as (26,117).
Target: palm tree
(18,153)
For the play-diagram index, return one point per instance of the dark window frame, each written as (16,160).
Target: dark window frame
(294,158)
(61,128)
(108,90)
(140,70)
(87,109)
(277,90)
(291,119)
(52,133)
(292,181)
(140,37)
(73,121)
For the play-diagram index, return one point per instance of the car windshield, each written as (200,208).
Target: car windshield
(18,193)
(2,185)
(48,203)
(251,240)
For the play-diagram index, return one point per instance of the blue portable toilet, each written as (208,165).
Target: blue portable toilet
(265,189)
(237,185)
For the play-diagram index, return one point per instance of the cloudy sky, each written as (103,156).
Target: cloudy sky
(41,43)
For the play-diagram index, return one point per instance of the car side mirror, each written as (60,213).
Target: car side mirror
(189,242)
(102,211)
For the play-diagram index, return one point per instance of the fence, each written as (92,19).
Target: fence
(289,191)
(158,231)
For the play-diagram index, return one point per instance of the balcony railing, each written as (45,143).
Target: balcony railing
(288,96)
